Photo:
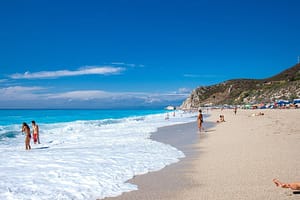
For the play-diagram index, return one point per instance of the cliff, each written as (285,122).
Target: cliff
(285,85)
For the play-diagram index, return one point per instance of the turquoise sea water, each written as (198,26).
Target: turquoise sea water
(10,117)
(84,154)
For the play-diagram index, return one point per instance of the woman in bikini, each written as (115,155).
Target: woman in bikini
(200,120)
(26,129)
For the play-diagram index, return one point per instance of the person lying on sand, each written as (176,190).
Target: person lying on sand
(257,114)
(222,119)
(293,186)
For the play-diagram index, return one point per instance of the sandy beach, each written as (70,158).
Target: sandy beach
(236,159)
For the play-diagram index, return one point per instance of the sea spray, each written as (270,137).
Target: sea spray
(83,158)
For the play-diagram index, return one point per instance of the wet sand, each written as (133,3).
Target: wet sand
(236,159)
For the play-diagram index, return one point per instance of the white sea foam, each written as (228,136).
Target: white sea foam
(85,159)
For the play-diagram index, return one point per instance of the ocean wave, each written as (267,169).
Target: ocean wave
(95,157)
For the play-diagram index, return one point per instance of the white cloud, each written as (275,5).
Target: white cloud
(19,93)
(88,70)
(85,95)
(21,96)
(184,90)
(200,76)
(81,95)
(118,63)
(127,64)
(19,89)
(95,94)
(163,97)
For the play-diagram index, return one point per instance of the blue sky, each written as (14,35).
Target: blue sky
(118,54)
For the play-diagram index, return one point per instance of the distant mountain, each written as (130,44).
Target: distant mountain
(285,85)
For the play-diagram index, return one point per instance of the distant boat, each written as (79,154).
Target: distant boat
(170,108)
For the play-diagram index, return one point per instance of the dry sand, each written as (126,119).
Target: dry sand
(234,160)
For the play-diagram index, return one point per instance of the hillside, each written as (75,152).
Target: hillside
(285,85)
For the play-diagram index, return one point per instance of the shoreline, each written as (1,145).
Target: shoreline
(236,159)
(171,177)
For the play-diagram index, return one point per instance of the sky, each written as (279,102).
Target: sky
(138,53)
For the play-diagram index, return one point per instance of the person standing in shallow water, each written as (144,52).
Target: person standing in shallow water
(26,129)
(35,133)
(200,120)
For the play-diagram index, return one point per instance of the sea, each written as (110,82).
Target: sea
(83,154)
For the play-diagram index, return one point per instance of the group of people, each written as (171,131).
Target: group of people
(35,134)
(200,120)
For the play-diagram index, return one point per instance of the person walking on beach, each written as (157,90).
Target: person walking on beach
(200,120)
(293,186)
(235,110)
(35,133)
(26,129)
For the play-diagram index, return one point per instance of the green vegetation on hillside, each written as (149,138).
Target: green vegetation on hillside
(285,85)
